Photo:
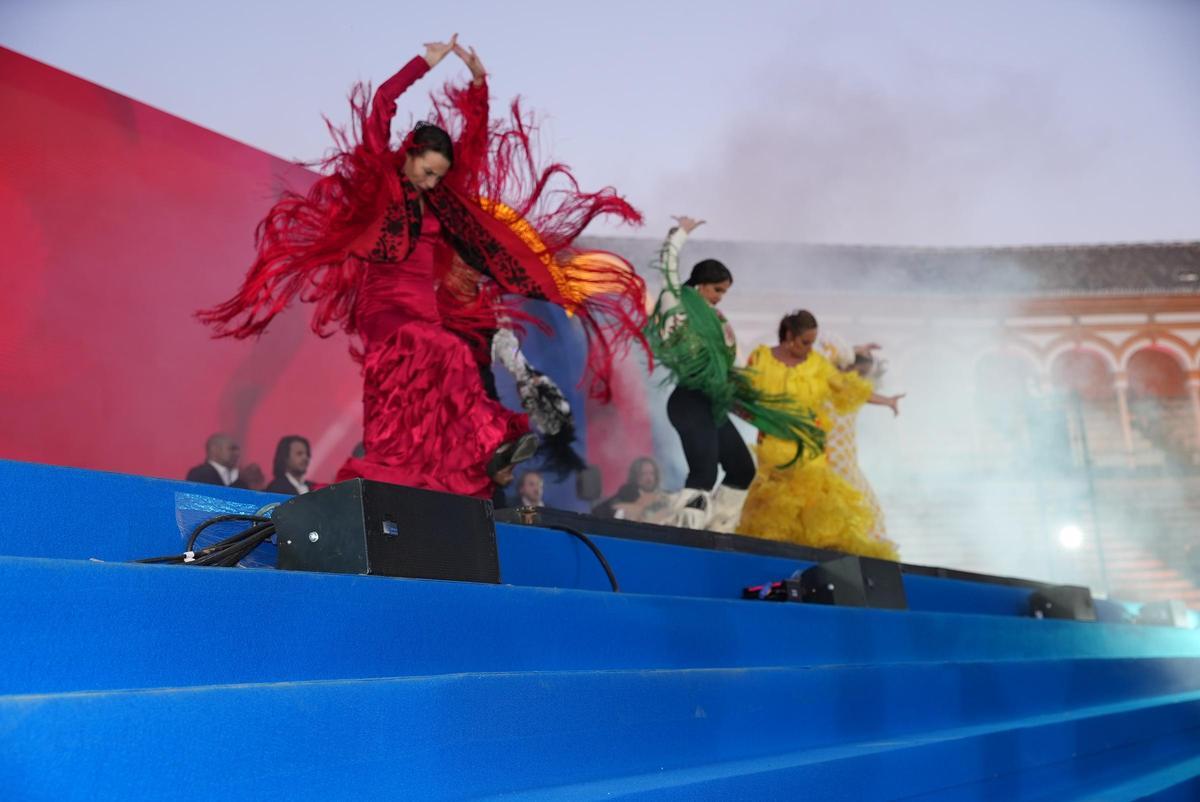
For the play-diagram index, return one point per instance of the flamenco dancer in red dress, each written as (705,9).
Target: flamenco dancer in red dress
(375,244)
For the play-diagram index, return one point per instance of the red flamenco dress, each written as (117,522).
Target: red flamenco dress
(371,255)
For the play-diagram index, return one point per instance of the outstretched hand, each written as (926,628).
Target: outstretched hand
(892,402)
(436,51)
(471,59)
(688,224)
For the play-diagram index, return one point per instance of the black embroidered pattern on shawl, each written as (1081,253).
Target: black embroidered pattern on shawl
(478,248)
(401,228)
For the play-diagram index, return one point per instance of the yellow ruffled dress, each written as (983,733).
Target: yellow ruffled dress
(841,450)
(809,503)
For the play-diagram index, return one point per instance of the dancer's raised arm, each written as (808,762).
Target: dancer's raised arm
(377,132)
(470,103)
(668,259)
(471,59)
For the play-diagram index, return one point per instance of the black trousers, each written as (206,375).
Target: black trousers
(707,443)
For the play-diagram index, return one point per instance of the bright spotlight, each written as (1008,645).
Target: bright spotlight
(1070,537)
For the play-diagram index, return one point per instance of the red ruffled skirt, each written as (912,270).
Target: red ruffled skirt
(427,421)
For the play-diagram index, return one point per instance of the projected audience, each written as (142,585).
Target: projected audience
(640,498)
(529,490)
(292,456)
(220,466)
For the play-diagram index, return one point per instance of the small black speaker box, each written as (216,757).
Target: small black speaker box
(1172,613)
(855,582)
(363,527)
(1066,602)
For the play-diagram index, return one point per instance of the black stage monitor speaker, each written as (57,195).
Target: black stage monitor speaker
(1066,602)
(363,527)
(855,582)
(1173,613)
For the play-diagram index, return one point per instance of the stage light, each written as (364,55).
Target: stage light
(1070,537)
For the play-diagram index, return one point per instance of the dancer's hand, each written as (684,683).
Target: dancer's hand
(471,59)
(688,224)
(436,51)
(892,402)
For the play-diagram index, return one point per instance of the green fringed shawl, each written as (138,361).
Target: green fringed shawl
(688,339)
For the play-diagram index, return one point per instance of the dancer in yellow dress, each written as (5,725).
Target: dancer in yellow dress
(841,445)
(807,503)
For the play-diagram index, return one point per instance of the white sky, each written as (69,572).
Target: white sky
(918,122)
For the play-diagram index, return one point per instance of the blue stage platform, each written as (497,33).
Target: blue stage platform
(124,681)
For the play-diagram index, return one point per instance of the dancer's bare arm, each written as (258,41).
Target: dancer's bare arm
(892,402)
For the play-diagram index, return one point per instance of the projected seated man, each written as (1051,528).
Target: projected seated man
(640,499)
(220,466)
(292,456)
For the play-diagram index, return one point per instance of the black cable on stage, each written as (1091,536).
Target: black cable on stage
(220,519)
(239,552)
(219,545)
(255,534)
(587,541)
(229,554)
(226,552)
(232,539)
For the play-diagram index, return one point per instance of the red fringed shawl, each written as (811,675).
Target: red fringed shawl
(500,213)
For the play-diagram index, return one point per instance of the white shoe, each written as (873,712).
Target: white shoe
(727,509)
(691,509)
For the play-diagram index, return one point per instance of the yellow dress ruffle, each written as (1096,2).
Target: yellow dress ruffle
(809,503)
(841,451)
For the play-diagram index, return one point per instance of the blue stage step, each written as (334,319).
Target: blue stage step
(79,625)
(577,735)
(128,681)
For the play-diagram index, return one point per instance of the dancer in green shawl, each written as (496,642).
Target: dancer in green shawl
(692,339)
